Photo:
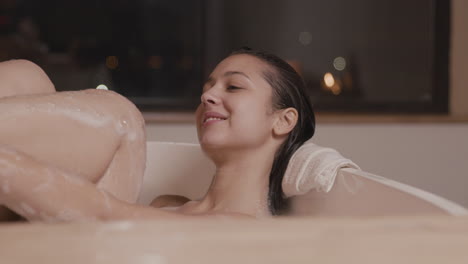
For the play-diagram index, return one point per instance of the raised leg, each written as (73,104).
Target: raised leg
(95,135)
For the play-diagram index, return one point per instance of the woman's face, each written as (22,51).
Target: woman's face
(236,105)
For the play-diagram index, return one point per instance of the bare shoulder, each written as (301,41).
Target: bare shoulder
(169,200)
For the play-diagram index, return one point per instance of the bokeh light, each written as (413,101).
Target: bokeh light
(102,87)
(112,62)
(305,38)
(331,84)
(339,63)
(155,62)
(328,79)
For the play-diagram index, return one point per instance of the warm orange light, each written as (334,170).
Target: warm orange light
(112,62)
(186,63)
(329,80)
(155,62)
(331,84)
(336,89)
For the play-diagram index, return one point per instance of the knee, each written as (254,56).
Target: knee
(20,77)
(127,117)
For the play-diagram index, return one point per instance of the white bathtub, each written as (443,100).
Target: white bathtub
(380,221)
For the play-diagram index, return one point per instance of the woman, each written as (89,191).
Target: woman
(253,115)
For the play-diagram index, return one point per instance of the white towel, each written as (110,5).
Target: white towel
(313,167)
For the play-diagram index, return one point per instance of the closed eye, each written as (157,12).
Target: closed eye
(232,87)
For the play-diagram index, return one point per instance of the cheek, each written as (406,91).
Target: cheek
(198,118)
(253,120)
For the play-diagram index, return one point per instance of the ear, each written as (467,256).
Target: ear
(285,122)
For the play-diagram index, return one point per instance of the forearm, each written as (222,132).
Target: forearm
(41,192)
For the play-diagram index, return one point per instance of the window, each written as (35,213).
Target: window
(360,55)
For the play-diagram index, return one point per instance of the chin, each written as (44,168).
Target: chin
(212,144)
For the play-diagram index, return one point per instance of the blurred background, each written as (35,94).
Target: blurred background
(360,56)
(388,78)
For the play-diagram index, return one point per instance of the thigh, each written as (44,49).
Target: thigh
(98,135)
(19,77)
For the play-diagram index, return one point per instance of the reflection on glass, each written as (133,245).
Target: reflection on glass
(305,38)
(339,63)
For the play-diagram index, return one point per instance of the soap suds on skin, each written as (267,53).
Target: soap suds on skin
(87,119)
(45,186)
(68,215)
(87,115)
(6,187)
(122,127)
(120,226)
(76,114)
(7,169)
(47,218)
(74,180)
(27,209)
(115,226)
(5,165)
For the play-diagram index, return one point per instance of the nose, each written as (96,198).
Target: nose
(209,97)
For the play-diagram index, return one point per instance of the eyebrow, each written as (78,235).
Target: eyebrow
(236,72)
(228,73)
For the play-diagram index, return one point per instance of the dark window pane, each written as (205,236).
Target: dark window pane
(360,55)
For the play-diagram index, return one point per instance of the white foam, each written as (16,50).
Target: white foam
(5,164)
(74,179)
(121,127)
(45,186)
(69,215)
(47,218)
(73,113)
(7,169)
(27,209)
(85,117)
(120,226)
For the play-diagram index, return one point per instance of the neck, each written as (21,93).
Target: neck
(240,185)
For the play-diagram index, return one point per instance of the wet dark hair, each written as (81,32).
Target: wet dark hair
(288,91)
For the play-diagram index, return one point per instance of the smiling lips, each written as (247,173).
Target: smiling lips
(212,117)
